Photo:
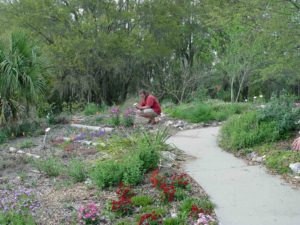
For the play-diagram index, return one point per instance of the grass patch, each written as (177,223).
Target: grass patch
(14,218)
(242,131)
(93,109)
(52,167)
(131,162)
(142,200)
(77,170)
(27,144)
(279,161)
(207,111)
(203,203)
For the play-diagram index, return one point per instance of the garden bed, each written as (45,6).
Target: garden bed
(60,182)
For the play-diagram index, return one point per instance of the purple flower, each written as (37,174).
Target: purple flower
(115,110)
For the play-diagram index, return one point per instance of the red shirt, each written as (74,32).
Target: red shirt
(152,102)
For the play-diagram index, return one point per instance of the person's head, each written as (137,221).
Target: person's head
(143,94)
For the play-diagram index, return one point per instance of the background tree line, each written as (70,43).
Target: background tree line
(102,50)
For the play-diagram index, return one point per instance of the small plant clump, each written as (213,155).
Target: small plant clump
(89,214)
(124,204)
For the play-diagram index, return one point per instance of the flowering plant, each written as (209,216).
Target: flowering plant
(168,192)
(168,186)
(128,117)
(21,201)
(180,181)
(89,214)
(123,205)
(205,220)
(150,219)
(195,210)
(115,113)
(157,179)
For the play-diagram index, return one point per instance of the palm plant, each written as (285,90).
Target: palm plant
(21,80)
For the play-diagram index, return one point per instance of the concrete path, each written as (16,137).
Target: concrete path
(244,195)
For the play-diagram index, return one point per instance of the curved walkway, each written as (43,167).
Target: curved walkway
(243,194)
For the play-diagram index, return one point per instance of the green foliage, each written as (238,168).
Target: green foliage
(13,218)
(174,221)
(142,200)
(53,167)
(180,194)
(245,131)
(21,82)
(150,209)
(281,110)
(203,203)
(107,173)
(279,161)
(132,170)
(3,137)
(27,144)
(273,122)
(91,109)
(210,111)
(77,169)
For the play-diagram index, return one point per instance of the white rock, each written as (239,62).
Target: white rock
(179,124)
(12,149)
(33,155)
(295,167)
(88,182)
(173,215)
(168,155)
(95,128)
(169,123)
(20,152)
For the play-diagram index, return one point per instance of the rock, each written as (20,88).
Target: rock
(168,155)
(173,214)
(259,159)
(32,155)
(252,155)
(169,123)
(179,124)
(88,182)
(295,167)
(12,149)
(95,128)
(20,152)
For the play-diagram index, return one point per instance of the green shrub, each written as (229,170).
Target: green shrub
(13,218)
(142,200)
(91,109)
(3,137)
(246,131)
(279,161)
(52,166)
(209,111)
(132,170)
(77,170)
(281,111)
(174,221)
(148,156)
(23,128)
(150,209)
(180,194)
(26,144)
(203,203)
(107,173)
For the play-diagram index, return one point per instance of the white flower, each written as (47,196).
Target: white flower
(261,96)
(48,129)
(254,97)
